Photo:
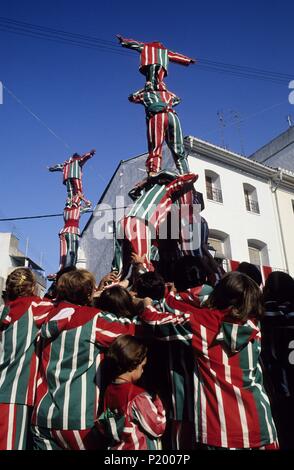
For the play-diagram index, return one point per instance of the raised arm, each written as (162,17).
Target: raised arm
(130,43)
(86,157)
(168,326)
(180,58)
(109,327)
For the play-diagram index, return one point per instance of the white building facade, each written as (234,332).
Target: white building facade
(248,207)
(11,257)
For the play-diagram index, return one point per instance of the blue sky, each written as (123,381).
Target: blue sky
(81,94)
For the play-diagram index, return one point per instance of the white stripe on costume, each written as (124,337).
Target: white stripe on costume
(71,375)
(22,444)
(243,419)
(79,440)
(57,381)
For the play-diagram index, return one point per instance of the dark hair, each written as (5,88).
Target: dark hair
(76,287)
(189,272)
(279,287)
(239,293)
(116,299)
(251,270)
(151,285)
(125,354)
(20,283)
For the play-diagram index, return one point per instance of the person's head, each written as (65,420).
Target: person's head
(189,272)
(51,292)
(76,155)
(251,270)
(238,293)
(127,355)
(20,283)
(116,299)
(150,284)
(76,286)
(279,287)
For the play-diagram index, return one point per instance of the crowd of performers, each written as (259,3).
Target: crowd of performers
(179,365)
(167,351)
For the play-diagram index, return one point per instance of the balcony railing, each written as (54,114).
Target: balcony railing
(252,205)
(214,194)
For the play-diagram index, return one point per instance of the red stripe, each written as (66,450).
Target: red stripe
(4,413)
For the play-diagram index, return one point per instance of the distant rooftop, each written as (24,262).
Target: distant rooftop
(279,152)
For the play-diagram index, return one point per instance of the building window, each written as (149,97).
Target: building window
(213,186)
(220,243)
(258,253)
(251,201)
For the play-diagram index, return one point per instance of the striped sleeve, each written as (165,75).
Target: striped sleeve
(40,311)
(149,414)
(109,327)
(168,327)
(85,158)
(179,58)
(58,167)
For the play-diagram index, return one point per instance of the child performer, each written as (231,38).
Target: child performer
(132,418)
(232,409)
(154,58)
(69,382)
(163,124)
(72,174)
(20,320)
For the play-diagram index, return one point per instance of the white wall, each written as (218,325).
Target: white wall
(284,200)
(4,253)
(232,217)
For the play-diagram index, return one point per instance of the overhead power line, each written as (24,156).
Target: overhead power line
(31,217)
(61,215)
(102,45)
(35,116)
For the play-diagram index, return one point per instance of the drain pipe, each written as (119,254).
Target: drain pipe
(275,182)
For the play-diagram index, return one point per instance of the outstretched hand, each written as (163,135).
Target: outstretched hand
(147,301)
(136,259)
(108,279)
(119,37)
(92,152)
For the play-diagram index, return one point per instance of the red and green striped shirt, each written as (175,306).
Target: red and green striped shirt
(155,53)
(20,321)
(131,418)
(231,407)
(75,339)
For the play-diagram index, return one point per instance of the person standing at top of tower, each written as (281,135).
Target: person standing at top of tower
(154,58)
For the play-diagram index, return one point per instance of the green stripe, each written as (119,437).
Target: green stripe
(84,368)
